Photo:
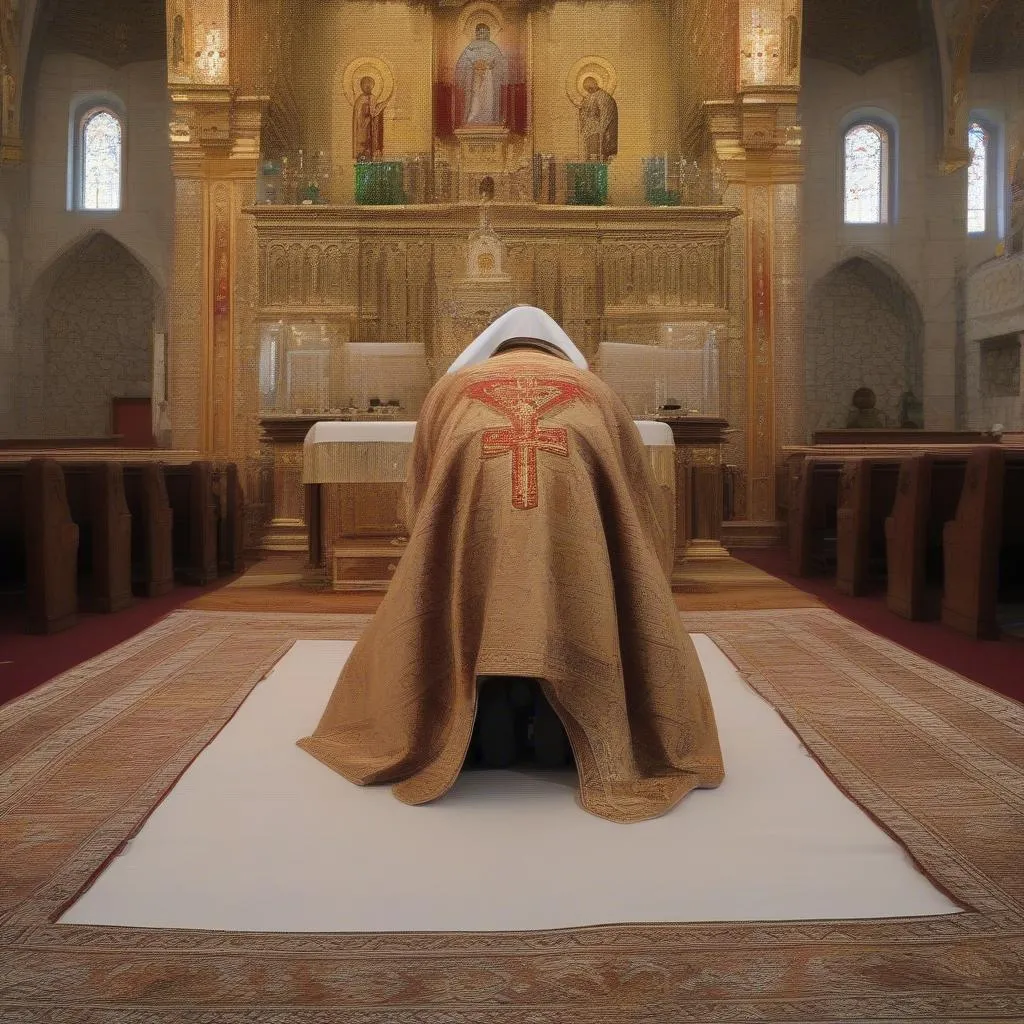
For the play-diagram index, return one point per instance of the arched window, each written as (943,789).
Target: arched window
(866,179)
(98,154)
(977,179)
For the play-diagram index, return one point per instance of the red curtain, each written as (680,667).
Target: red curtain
(515,107)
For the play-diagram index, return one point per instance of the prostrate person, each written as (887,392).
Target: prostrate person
(533,540)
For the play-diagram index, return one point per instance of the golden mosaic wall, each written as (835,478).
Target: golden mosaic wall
(707,80)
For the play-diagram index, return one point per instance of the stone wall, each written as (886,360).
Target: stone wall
(1000,368)
(95,331)
(42,232)
(862,330)
(926,243)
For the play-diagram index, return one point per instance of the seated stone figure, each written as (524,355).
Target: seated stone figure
(532,555)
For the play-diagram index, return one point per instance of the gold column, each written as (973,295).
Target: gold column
(756,138)
(11,81)
(215,145)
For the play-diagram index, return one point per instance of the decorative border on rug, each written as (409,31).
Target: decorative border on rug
(936,759)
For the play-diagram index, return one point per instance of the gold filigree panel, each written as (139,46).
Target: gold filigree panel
(788,283)
(185,316)
(394,274)
(219,385)
(760,358)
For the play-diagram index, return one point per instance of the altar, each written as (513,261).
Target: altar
(353,475)
(399,175)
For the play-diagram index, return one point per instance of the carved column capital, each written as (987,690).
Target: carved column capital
(756,137)
(214,132)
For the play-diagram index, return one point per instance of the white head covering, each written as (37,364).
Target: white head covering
(519,322)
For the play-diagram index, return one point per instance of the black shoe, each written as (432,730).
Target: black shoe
(550,743)
(496,727)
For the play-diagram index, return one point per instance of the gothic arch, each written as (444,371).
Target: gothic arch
(863,329)
(36,278)
(86,337)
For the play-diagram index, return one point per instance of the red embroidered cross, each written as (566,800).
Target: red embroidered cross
(524,401)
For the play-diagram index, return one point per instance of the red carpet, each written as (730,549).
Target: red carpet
(26,661)
(998,664)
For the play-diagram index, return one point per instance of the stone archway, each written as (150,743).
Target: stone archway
(863,329)
(88,336)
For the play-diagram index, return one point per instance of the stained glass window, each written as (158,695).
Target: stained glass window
(977,178)
(101,161)
(865,175)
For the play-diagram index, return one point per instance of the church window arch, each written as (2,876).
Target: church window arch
(96,158)
(979,141)
(867,173)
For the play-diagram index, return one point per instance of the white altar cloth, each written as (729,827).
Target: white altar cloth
(377,452)
(366,451)
(357,452)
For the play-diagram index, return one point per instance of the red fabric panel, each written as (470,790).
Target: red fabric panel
(443,99)
(517,106)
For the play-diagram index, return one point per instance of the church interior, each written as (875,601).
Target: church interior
(242,244)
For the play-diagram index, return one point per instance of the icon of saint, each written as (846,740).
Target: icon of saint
(367,122)
(481,74)
(599,122)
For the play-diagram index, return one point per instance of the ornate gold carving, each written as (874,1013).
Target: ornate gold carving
(180,33)
(666,275)
(761,47)
(419,257)
(219,387)
(393,294)
(711,456)
(394,271)
(761,423)
(10,84)
(186,408)
(547,279)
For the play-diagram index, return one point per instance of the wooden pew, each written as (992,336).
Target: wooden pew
(193,503)
(39,542)
(971,545)
(927,496)
(152,529)
(953,541)
(813,500)
(207,510)
(230,520)
(867,488)
(906,539)
(853,503)
(98,507)
(1011,552)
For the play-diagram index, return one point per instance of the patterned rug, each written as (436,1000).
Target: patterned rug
(938,761)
